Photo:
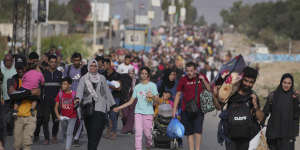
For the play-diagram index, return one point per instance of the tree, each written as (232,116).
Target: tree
(6,10)
(274,23)
(191,15)
(201,21)
(81,9)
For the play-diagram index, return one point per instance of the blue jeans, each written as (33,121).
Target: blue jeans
(113,116)
(68,128)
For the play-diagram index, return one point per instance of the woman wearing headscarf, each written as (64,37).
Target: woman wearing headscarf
(95,101)
(283,107)
(128,113)
(168,83)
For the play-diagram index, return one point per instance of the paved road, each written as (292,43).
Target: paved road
(126,142)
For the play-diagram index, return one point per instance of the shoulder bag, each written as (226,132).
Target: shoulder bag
(191,106)
(206,100)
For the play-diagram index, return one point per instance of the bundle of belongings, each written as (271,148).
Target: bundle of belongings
(229,78)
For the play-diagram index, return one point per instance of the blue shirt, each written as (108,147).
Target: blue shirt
(140,92)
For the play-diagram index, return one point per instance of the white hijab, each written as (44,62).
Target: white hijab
(93,77)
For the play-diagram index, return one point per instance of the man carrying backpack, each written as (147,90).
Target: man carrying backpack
(242,114)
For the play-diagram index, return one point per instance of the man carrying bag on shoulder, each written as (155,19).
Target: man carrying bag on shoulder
(192,116)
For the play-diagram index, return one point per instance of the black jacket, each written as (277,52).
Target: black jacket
(284,115)
(52,85)
(2,130)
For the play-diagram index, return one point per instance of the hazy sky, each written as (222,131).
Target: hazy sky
(209,8)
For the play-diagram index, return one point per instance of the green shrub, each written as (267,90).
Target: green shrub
(70,44)
(297,80)
(268,37)
(3,46)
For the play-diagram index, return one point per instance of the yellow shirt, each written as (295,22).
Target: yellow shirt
(24,108)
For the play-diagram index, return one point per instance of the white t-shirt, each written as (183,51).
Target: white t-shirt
(123,68)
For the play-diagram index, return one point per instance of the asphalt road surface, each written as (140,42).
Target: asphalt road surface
(126,142)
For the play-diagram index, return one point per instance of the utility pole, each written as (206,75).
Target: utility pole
(110,25)
(43,6)
(21,24)
(172,19)
(38,46)
(134,22)
(94,25)
(150,16)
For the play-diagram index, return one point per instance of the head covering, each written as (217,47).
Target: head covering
(166,83)
(282,108)
(286,75)
(93,77)
(91,62)
(20,61)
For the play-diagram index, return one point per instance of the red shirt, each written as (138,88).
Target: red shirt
(67,105)
(187,87)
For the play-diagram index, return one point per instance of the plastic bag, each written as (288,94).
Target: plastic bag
(175,129)
(259,141)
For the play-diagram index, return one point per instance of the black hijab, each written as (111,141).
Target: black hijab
(287,75)
(282,123)
(166,83)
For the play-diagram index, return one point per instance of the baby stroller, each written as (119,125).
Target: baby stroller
(161,122)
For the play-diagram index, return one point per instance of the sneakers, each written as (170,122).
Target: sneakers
(76,143)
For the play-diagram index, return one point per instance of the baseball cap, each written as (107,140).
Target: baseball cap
(20,61)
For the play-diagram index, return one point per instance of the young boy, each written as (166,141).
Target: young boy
(32,79)
(65,100)
(165,99)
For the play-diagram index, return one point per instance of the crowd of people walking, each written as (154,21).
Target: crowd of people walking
(131,85)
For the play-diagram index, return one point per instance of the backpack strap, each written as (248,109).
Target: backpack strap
(68,71)
(60,94)
(73,95)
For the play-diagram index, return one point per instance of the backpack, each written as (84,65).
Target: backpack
(83,70)
(60,94)
(241,122)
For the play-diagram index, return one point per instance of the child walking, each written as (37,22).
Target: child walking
(146,94)
(65,100)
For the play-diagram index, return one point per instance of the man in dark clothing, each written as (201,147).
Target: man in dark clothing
(46,107)
(243,113)
(2,129)
(100,60)
(112,75)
